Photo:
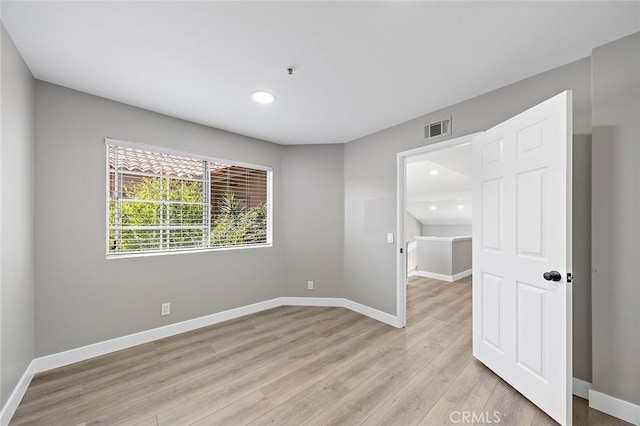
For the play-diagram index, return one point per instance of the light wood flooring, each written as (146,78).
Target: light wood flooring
(297,366)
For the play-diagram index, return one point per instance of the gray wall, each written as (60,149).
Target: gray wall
(616,229)
(412,227)
(81,297)
(447,230)
(370,197)
(443,256)
(582,257)
(461,256)
(117,297)
(313,209)
(434,256)
(16,218)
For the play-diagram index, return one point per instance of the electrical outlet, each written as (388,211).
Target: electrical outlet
(165,309)
(309,285)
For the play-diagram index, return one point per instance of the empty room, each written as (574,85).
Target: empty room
(313,213)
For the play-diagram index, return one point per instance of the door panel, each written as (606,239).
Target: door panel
(492,153)
(522,322)
(529,139)
(492,215)
(491,313)
(530,199)
(531,328)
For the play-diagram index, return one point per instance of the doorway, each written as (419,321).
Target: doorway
(445,206)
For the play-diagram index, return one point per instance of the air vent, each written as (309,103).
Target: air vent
(438,128)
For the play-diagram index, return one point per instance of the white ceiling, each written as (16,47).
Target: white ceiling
(443,198)
(360,66)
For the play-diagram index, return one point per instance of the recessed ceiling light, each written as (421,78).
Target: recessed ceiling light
(433,207)
(263,97)
(433,172)
(460,206)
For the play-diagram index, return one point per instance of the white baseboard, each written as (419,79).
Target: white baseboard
(441,277)
(615,407)
(384,317)
(343,303)
(61,359)
(334,302)
(444,277)
(412,273)
(607,404)
(462,274)
(581,388)
(10,407)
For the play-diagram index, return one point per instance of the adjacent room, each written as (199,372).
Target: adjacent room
(439,212)
(270,212)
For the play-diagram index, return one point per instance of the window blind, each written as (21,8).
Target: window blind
(160,201)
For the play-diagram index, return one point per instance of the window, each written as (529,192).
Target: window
(162,201)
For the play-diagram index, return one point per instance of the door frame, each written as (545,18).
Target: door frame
(401,206)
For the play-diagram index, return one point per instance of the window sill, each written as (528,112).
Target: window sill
(186,251)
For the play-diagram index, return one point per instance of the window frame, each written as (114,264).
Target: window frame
(163,150)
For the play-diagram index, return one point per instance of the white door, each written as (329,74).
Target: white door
(522,230)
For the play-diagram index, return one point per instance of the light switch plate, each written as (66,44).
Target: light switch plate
(390,237)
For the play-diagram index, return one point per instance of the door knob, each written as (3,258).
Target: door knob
(552,276)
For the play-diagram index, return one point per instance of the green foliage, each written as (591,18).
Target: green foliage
(231,206)
(236,225)
(153,204)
